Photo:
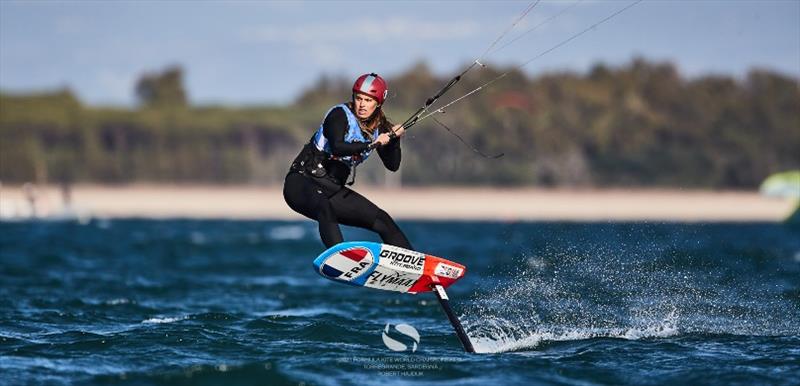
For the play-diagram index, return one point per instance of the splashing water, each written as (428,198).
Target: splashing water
(648,289)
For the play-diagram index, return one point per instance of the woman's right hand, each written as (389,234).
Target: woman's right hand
(382,140)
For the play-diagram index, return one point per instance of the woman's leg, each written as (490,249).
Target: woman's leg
(306,197)
(353,209)
(329,230)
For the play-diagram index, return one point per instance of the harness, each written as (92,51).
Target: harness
(316,158)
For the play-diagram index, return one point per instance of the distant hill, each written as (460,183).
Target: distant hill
(642,124)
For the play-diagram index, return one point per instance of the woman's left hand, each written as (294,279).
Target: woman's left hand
(399,130)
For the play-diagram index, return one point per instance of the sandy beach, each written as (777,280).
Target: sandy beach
(243,202)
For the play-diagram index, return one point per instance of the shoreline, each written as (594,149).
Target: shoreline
(440,203)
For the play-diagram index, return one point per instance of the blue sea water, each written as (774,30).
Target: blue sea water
(187,302)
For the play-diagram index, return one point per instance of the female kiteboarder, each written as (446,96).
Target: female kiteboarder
(316,185)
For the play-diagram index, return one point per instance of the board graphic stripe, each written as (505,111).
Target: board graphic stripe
(354,254)
(329,271)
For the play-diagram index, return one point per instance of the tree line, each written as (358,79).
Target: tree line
(640,124)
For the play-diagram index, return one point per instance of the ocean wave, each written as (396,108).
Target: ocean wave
(266,281)
(502,341)
(117,301)
(287,232)
(257,372)
(162,320)
(306,312)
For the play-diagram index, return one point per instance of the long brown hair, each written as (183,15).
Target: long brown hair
(377,121)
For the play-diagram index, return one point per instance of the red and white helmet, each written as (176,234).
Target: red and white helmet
(373,85)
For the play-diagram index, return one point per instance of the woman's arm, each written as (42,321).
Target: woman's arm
(390,152)
(334,128)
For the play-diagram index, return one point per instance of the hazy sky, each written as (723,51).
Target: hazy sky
(257,52)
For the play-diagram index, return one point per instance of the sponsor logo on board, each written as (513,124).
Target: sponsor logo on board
(347,265)
(402,259)
(391,280)
(447,270)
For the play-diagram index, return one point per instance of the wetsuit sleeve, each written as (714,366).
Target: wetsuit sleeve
(334,128)
(390,154)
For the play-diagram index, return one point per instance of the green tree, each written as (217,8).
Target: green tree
(163,89)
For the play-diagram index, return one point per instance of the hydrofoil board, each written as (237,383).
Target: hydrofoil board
(387,267)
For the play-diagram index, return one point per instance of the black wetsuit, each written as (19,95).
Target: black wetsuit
(321,194)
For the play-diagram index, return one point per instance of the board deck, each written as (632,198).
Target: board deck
(386,267)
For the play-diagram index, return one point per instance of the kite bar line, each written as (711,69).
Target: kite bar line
(444,301)
(423,113)
(430,101)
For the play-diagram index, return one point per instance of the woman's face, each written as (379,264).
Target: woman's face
(364,105)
